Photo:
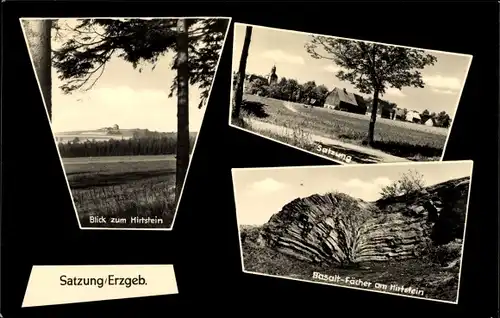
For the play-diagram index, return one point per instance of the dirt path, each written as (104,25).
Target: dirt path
(289,107)
(359,154)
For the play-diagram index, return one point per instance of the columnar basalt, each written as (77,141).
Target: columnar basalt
(335,228)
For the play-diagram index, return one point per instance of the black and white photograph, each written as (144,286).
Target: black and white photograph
(346,100)
(393,228)
(125,99)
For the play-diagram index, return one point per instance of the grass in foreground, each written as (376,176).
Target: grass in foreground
(298,137)
(410,141)
(119,191)
(437,283)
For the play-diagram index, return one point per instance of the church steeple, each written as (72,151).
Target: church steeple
(273,77)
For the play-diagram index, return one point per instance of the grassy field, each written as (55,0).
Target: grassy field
(407,140)
(436,282)
(119,188)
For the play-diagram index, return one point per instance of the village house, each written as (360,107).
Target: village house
(430,122)
(413,116)
(341,99)
(385,109)
(400,114)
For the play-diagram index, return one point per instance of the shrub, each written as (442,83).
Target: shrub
(409,182)
(442,254)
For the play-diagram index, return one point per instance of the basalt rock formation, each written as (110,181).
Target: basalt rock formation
(337,229)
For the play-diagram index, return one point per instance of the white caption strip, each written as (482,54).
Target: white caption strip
(54,285)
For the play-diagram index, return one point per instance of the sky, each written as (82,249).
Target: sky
(262,192)
(285,49)
(125,97)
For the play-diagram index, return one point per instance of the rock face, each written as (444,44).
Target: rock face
(338,229)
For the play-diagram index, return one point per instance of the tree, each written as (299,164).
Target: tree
(409,182)
(238,96)
(182,105)
(443,119)
(285,89)
(38,35)
(257,86)
(372,68)
(89,45)
(307,90)
(320,92)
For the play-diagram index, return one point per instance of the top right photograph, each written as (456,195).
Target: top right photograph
(350,101)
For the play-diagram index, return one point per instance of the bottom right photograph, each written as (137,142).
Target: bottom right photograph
(395,228)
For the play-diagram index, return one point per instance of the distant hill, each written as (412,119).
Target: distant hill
(108,133)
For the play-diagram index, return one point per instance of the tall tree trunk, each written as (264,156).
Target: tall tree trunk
(238,96)
(373,119)
(183,146)
(38,34)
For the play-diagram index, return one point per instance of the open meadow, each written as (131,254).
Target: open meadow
(401,139)
(120,188)
(123,183)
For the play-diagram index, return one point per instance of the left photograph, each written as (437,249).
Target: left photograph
(125,99)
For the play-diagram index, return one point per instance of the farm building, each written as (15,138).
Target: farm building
(430,122)
(385,109)
(413,116)
(400,114)
(341,99)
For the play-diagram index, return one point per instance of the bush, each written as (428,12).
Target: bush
(410,182)
(443,254)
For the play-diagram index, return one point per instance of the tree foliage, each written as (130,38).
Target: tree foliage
(409,182)
(91,43)
(372,68)
(287,89)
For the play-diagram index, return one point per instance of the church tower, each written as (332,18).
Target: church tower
(273,78)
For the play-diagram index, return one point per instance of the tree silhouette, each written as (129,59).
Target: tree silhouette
(89,45)
(182,62)
(238,95)
(443,119)
(372,68)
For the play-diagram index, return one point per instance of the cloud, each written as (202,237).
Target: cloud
(267,185)
(366,190)
(280,56)
(443,91)
(124,97)
(382,181)
(355,183)
(333,68)
(394,92)
(443,82)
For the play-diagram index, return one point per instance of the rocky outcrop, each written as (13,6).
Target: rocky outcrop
(335,228)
